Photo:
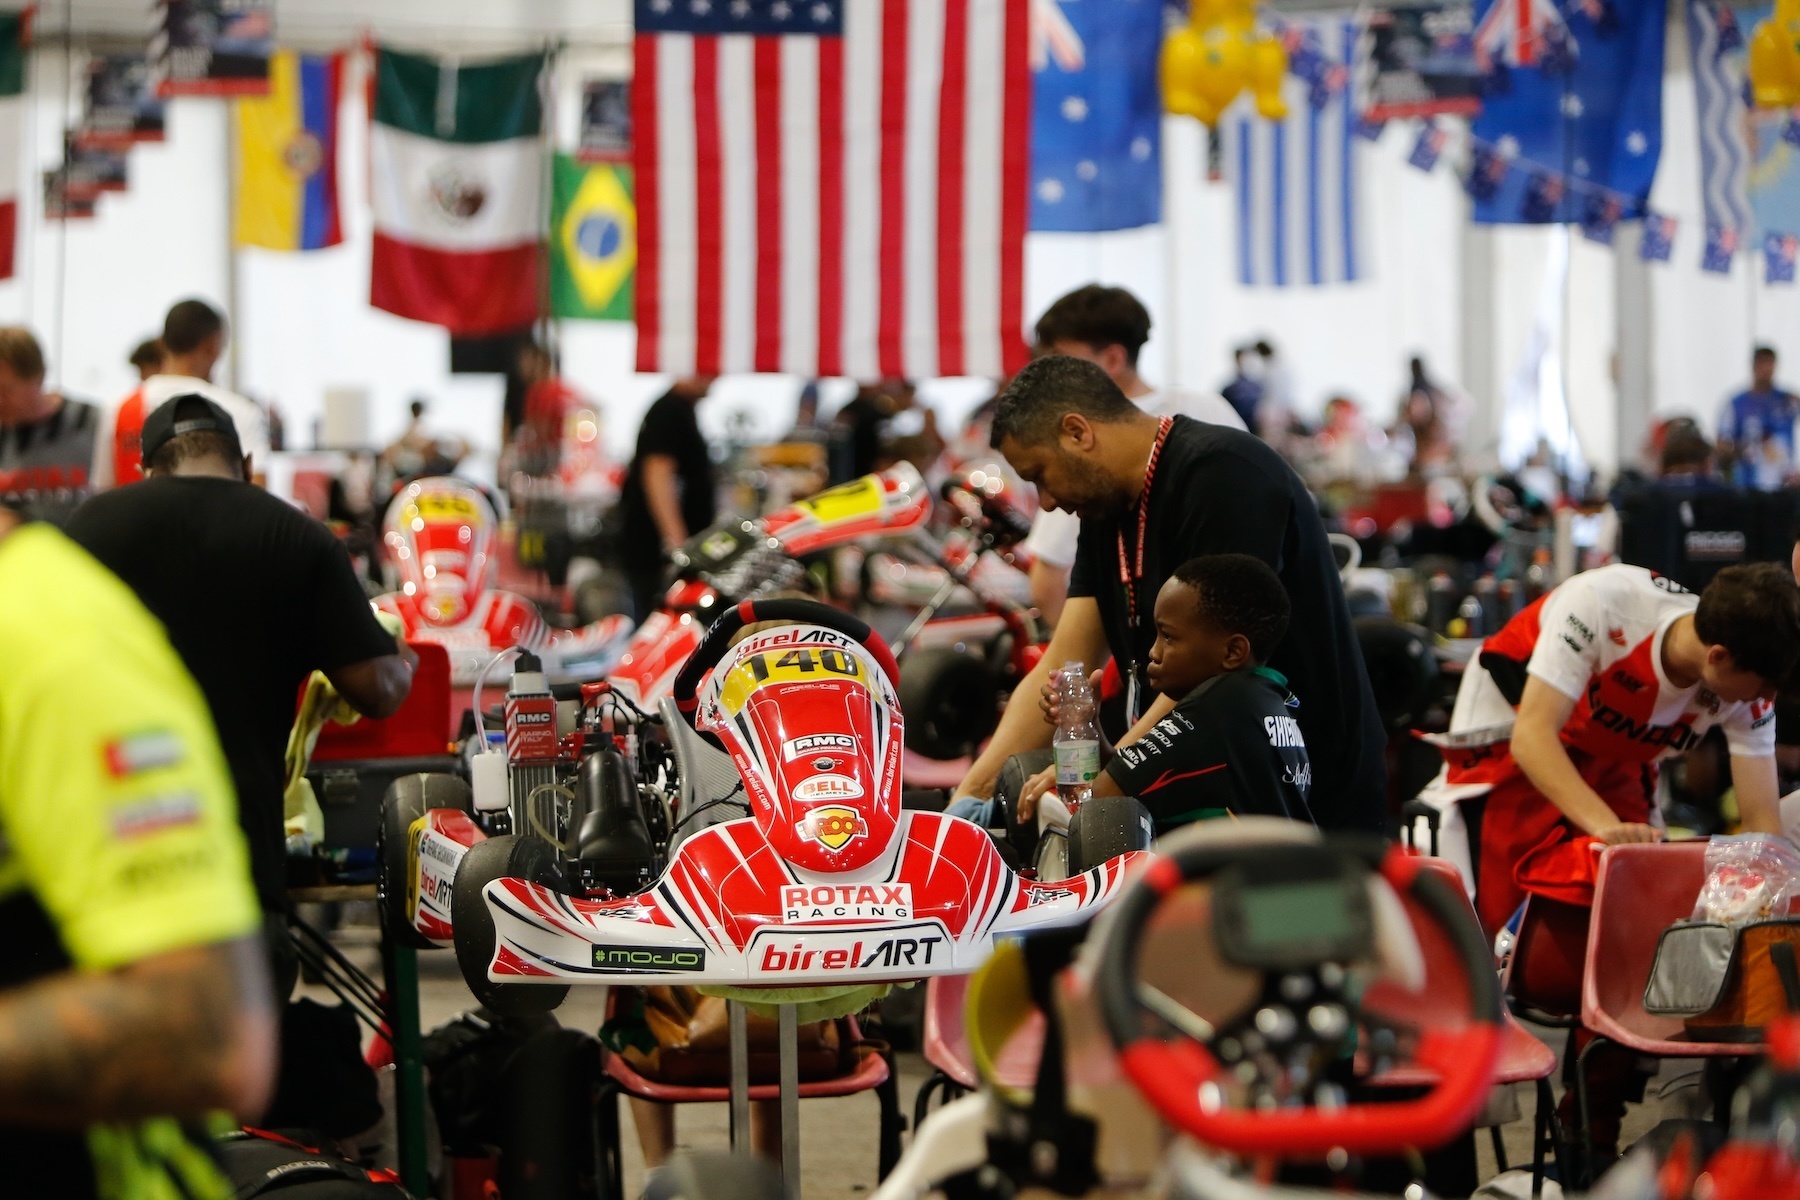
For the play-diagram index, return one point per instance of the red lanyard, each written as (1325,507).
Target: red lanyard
(1129,573)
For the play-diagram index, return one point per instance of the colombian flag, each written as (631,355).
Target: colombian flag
(287,193)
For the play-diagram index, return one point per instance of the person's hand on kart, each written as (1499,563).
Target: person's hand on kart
(408,655)
(1627,833)
(1049,699)
(1035,786)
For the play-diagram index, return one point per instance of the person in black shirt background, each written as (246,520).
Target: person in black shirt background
(1152,494)
(669,493)
(255,595)
(1232,746)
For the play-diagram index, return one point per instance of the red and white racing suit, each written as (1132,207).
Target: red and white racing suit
(1597,639)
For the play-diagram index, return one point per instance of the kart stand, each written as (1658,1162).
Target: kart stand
(787,1045)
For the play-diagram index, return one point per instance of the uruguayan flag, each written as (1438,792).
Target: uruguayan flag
(1297,182)
(1718,63)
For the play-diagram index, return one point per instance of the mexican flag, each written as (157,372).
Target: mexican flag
(593,241)
(15,38)
(456,180)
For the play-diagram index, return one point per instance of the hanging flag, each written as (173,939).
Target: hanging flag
(1543,196)
(1300,211)
(1430,146)
(1096,147)
(1779,252)
(605,121)
(1422,61)
(1600,216)
(456,182)
(123,108)
(1488,170)
(1719,101)
(1578,95)
(214,47)
(63,204)
(593,240)
(1659,238)
(15,38)
(91,170)
(827,188)
(287,143)
(1721,243)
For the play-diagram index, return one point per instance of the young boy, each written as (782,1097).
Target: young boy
(1232,746)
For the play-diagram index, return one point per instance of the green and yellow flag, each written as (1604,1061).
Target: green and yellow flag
(593,241)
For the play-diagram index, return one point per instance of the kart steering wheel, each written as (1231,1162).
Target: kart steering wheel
(1299,914)
(712,647)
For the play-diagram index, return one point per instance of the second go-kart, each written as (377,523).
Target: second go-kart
(605,859)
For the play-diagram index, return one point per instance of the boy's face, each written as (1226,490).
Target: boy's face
(1189,649)
(1732,683)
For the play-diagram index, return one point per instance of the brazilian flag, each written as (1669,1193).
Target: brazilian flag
(593,241)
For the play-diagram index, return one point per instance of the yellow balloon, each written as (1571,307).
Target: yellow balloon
(1219,54)
(1775,57)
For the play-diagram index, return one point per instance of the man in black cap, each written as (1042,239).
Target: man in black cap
(255,595)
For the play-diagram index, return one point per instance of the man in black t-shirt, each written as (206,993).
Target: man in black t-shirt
(255,595)
(1153,494)
(669,493)
(1232,745)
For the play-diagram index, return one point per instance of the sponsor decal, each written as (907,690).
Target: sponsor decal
(1628,681)
(1616,636)
(801,746)
(833,825)
(803,905)
(1046,895)
(1572,644)
(1667,584)
(827,787)
(916,947)
(1678,737)
(1579,626)
(1708,699)
(153,814)
(145,751)
(1283,731)
(649,960)
(1715,546)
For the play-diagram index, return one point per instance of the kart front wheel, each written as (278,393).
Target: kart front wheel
(508,857)
(407,800)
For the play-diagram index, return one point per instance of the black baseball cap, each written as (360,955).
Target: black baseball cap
(187,413)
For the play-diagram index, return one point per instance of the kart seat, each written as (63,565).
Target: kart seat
(946,1045)
(711,791)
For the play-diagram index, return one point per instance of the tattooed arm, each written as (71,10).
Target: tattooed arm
(180,1033)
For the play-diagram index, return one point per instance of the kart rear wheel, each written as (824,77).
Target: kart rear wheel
(508,857)
(1106,827)
(408,799)
(950,702)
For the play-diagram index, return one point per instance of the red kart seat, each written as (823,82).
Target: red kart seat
(1641,890)
(947,1040)
(417,730)
(1444,1000)
(871,1071)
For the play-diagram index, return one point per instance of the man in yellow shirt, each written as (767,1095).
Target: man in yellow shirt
(133,983)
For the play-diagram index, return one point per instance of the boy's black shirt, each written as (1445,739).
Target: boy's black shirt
(1231,746)
(1224,491)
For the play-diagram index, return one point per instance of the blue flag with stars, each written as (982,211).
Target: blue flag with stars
(1096,149)
(1584,107)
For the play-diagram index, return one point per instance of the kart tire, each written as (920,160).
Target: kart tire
(407,800)
(511,856)
(711,1175)
(1022,766)
(950,701)
(1106,827)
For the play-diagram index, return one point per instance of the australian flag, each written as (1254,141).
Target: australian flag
(1600,217)
(1721,245)
(1429,147)
(1659,238)
(1779,253)
(1488,172)
(1096,151)
(1586,104)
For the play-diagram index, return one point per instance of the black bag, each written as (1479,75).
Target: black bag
(324,1084)
(464,1058)
(261,1163)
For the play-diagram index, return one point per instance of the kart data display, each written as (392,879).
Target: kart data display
(1292,916)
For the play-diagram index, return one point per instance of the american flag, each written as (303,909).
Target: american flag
(831,188)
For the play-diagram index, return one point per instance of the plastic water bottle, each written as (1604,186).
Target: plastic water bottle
(1077,740)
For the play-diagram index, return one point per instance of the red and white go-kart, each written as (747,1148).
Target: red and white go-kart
(439,538)
(595,861)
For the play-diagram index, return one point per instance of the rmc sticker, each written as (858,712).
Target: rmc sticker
(803,905)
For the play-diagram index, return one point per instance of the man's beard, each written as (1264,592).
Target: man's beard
(1098,495)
